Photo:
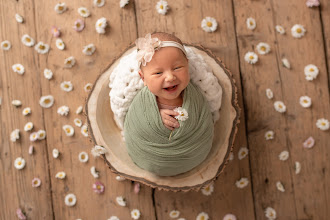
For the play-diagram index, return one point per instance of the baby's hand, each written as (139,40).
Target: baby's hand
(168,120)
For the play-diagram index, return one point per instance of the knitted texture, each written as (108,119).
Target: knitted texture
(125,83)
(147,139)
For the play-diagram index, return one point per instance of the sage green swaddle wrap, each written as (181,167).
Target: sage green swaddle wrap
(147,139)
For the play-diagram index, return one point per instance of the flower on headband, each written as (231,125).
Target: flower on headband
(146,48)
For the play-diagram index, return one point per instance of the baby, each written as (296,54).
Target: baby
(155,140)
(167,75)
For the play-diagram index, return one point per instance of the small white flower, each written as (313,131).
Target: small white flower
(280,186)
(63,110)
(60,175)
(18,68)
(183,114)
(311,71)
(120,178)
(98,150)
(14,135)
(280,29)
(113,218)
(100,25)
(297,167)
(298,31)
(60,8)
(284,155)
(69,62)
(279,106)
(68,130)
(88,87)
(26,111)
(270,213)
(309,143)
(56,153)
(243,182)
(207,190)
(269,93)
(242,153)
(19,163)
(122,3)
(286,63)
(77,122)
(99,3)
(121,201)
(251,23)
(27,40)
(162,7)
(202,216)
(31,149)
(269,135)
(251,57)
(209,24)
(34,136)
(83,12)
(19,18)
(28,126)
(305,101)
(46,101)
(83,157)
(66,86)
(16,103)
(94,172)
(5,45)
(41,134)
(322,124)
(135,214)
(174,214)
(89,49)
(263,48)
(84,130)
(48,74)
(70,200)
(36,182)
(60,44)
(41,47)
(79,110)
(231,156)
(229,217)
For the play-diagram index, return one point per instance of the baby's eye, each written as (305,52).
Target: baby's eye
(158,73)
(177,67)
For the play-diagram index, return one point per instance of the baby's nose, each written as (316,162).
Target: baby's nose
(169,77)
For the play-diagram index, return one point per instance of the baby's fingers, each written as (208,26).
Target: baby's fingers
(171,123)
(170,112)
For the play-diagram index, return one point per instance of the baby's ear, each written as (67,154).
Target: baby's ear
(141,75)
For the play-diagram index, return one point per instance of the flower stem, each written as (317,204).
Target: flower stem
(170,135)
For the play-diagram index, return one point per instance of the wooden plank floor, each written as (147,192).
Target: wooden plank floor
(306,195)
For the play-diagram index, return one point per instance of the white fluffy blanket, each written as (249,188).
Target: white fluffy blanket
(125,83)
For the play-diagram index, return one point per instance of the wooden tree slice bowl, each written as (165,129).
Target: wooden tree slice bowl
(104,132)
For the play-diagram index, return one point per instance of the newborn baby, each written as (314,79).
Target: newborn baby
(155,139)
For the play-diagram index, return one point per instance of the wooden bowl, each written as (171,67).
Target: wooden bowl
(104,132)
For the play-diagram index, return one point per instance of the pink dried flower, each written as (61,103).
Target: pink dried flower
(136,188)
(55,31)
(36,182)
(79,25)
(312,3)
(309,143)
(31,148)
(98,187)
(20,214)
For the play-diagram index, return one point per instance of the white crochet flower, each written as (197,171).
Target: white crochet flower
(202,216)
(121,201)
(18,68)
(28,126)
(311,71)
(279,106)
(251,57)
(100,25)
(174,214)
(322,124)
(19,18)
(269,135)
(305,101)
(63,110)
(48,73)
(135,214)
(251,23)
(269,93)
(60,175)
(94,172)
(207,190)
(286,63)
(297,167)
(69,62)
(99,3)
(229,217)
(309,143)
(46,101)
(263,48)
(34,136)
(60,44)
(89,49)
(68,130)
(123,3)
(60,8)
(70,200)
(280,186)
(98,151)
(26,111)
(83,12)
(162,7)
(83,157)
(79,110)
(284,155)
(183,114)
(19,163)
(27,40)
(66,86)
(280,29)
(209,24)
(113,218)
(298,31)
(84,130)
(16,103)
(14,135)
(242,153)
(270,213)
(88,87)
(77,122)
(5,45)
(243,182)
(55,153)
(41,134)
(41,47)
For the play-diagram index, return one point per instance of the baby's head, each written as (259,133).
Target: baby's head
(163,70)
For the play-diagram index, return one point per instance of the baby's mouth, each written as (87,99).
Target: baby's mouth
(171,88)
